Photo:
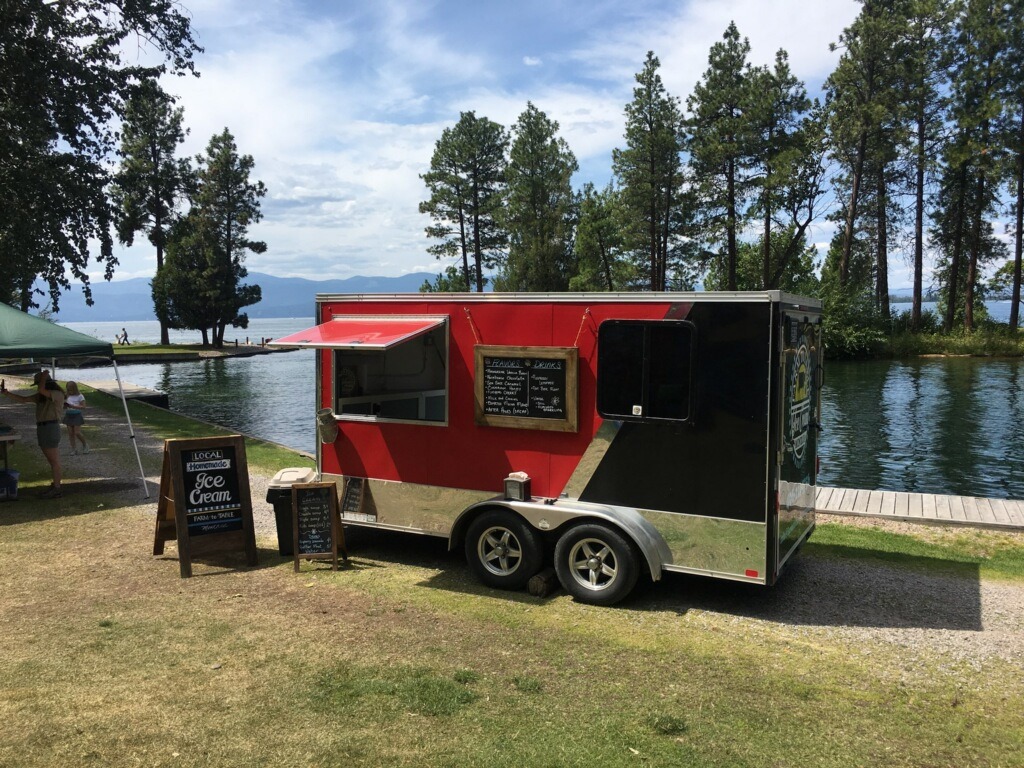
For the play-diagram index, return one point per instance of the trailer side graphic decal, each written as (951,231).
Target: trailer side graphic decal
(800,399)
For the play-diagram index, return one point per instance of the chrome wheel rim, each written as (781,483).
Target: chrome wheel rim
(593,565)
(499,551)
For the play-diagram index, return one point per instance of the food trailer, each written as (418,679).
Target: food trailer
(615,434)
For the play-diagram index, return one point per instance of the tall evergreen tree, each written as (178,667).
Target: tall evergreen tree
(920,52)
(151,182)
(65,71)
(860,103)
(972,157)
(787,162)
(600,265)
(719,140)
(203,286)
(466,184)
(650,175)
(539,206)
(1012,132)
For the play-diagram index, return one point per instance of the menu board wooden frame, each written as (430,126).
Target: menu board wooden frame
(487,417)
(335,533)
(214,507)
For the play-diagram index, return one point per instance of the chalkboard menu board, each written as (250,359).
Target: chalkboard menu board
(527,387)
(212,500)
(316,526)
(204,492)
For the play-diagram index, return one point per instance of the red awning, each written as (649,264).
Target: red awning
(361,332)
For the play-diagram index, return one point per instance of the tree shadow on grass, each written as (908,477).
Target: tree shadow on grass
(81,497)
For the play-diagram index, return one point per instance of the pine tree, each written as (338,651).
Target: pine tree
(786,158)
(539,207)
(650,176)
(466,184)
(600,265)
(203,287)
(860,103)
(1012,133)
(969,194)
(720,142)
(151,182)
(920,52)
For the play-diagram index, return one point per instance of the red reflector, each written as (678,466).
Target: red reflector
(817,466)
(751,573)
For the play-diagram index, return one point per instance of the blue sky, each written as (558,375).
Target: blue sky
(340,103)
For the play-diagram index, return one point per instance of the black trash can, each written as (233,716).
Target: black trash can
(279,494)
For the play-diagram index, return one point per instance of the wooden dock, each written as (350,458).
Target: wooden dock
(922,507)
(131,392)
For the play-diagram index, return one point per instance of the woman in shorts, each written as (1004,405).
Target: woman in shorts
(49,402)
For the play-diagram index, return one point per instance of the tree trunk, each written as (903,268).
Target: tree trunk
(851,210)
(915,316)
(158,224)
(882,255)
(465,246)
(731,222)
(975,252)
(954,259)
(766,272)
(1019,239)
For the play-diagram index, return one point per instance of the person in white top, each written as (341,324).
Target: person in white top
(73,418)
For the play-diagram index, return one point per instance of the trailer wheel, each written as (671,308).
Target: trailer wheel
(503,550)
(596,564)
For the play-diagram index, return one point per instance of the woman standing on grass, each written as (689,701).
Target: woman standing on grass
(49,402)
(73,418)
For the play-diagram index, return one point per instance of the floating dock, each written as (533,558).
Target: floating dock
(922,507)
(131,392)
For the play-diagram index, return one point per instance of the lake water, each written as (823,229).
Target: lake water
(934,425)
(269,396)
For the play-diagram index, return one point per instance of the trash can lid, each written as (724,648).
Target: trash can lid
(287,477)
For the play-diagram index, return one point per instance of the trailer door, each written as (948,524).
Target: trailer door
(801,380)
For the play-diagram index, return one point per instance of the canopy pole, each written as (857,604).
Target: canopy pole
(131,429)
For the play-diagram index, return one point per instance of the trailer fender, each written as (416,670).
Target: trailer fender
(550,517)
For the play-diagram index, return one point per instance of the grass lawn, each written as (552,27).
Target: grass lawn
(108,658)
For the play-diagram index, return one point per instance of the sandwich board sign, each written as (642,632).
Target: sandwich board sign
(204,499)
(316,522)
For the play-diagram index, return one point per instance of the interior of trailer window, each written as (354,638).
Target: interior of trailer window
(644,369)
(405,379)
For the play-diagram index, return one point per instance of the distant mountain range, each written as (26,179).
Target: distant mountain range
(282,296)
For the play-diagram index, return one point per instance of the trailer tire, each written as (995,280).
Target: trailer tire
(503,550)
(596,564)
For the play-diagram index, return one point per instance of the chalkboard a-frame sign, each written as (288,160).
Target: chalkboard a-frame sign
(204,499)
(527,387)
(316,523)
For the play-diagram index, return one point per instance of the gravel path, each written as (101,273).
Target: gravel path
(868,607)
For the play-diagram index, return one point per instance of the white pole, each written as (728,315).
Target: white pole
(131,430)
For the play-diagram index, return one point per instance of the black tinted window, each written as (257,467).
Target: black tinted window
(644,369)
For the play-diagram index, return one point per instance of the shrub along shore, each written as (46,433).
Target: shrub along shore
(877,648)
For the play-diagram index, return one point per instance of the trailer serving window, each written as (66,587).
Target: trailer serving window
(392,367)
(644,369)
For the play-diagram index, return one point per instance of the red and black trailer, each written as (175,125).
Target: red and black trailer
(626,433)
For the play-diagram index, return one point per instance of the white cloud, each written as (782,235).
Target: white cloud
(340,105)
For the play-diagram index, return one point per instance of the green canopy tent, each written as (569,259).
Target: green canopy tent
(22,335)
